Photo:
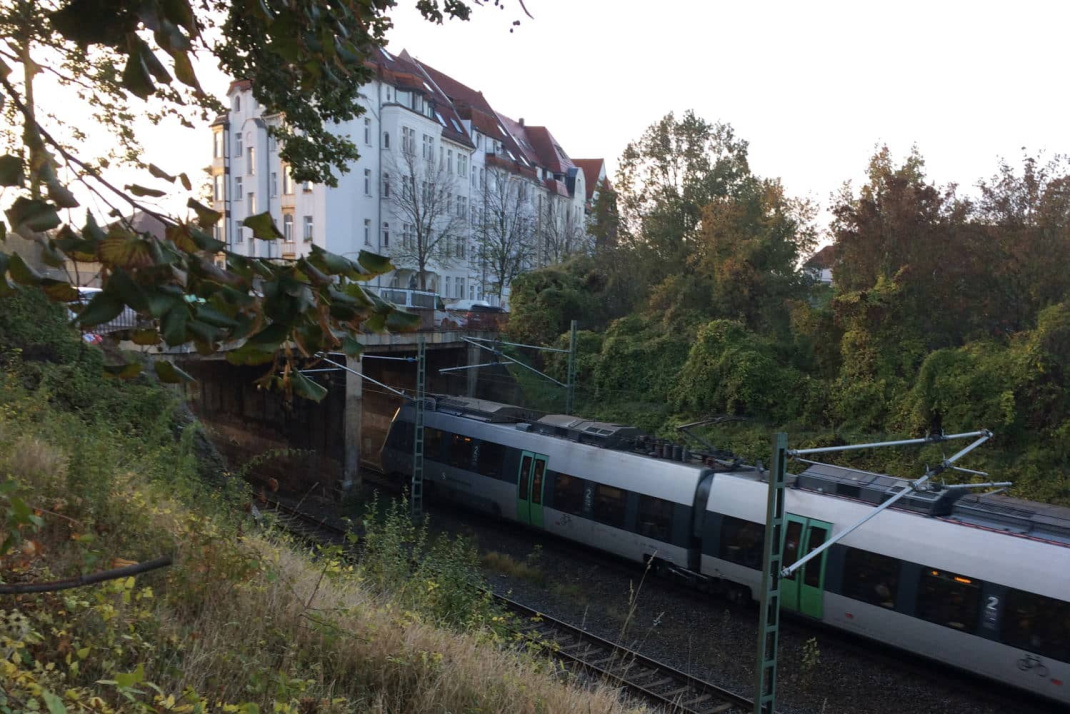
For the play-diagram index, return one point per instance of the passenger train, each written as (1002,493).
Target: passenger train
(981,583)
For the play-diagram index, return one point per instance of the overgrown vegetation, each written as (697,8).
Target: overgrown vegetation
(947,313)
(98,474)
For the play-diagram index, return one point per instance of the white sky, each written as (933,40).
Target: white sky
(813,86)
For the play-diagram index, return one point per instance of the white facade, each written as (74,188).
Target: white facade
(359,214)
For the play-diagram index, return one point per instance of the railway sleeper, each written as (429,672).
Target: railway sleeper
(676,692)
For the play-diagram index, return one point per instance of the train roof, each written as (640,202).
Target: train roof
(993,511)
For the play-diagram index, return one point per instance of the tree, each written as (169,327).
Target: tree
(435,228)
(506,234)
(668,176)
(559,234)
(304,60)
(603,225)
(750,246)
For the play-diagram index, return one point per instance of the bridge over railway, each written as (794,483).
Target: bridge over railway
(320,446)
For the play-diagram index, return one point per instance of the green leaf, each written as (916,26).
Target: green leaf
(126,250)
(205,215)
(184,70)
(59,290)
(143,191)
(132,678)
(270,337)
(54,703)
(122,371)
(173,325)
(145,337)
(373,263)
(136,77)
(401,321)
(249,355)
(305,387)
(206,242)
(11,173)
(263,226)
(22,273)
(61,195)
(170,374)
(160,173)
(104,307)
(351,347)
(32,215)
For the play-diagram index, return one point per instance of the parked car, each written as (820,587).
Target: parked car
(475,315)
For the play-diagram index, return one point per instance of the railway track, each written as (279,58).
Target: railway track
(661,685)
(582,652)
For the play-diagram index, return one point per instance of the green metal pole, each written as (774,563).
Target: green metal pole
(417,495)
(769,618)
(570,395)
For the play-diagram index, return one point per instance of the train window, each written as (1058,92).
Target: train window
(655,518)
(949,599)
(400,436)
(870,577)
(433,439)
(460,451)
(742,542)
(1038,624)
(536,481)
(609,505)
(568,494)
(490,459)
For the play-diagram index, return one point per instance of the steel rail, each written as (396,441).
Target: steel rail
(617,664)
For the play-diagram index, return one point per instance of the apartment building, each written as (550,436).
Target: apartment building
(461,197)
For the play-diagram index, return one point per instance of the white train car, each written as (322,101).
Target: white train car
(979,583)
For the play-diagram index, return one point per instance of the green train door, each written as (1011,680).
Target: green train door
(804,590)
(531,480)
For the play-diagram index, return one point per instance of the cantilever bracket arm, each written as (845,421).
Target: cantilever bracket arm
(917,485)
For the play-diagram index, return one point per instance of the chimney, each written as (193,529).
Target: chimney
(521,121)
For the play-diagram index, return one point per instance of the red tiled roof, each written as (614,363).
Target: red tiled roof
(550,153)
(824,258)
(239,84)
(554,186)
(592,169)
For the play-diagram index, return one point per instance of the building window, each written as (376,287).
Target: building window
(367,182)
(367,231)
(274,184)
(386,185)
(429,148)
(368,131)
(462,206)
(386,235)
(237,144)
(482,178)
(870,577)
(237,189)
(386,139)
(287,181)
(217,145)
(273,143)
(237,103)
(408,140)
(460,281)
(250,164)
(449,161)
(462,165)
(447,292)
(308,229)
(306,187)
(217,187)
(288,227)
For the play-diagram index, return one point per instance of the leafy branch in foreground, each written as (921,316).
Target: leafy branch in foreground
(305,61)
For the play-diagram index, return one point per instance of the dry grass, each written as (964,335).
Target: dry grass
(378,658)
(507,565)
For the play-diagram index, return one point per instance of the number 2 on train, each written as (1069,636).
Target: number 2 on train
(530,480)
